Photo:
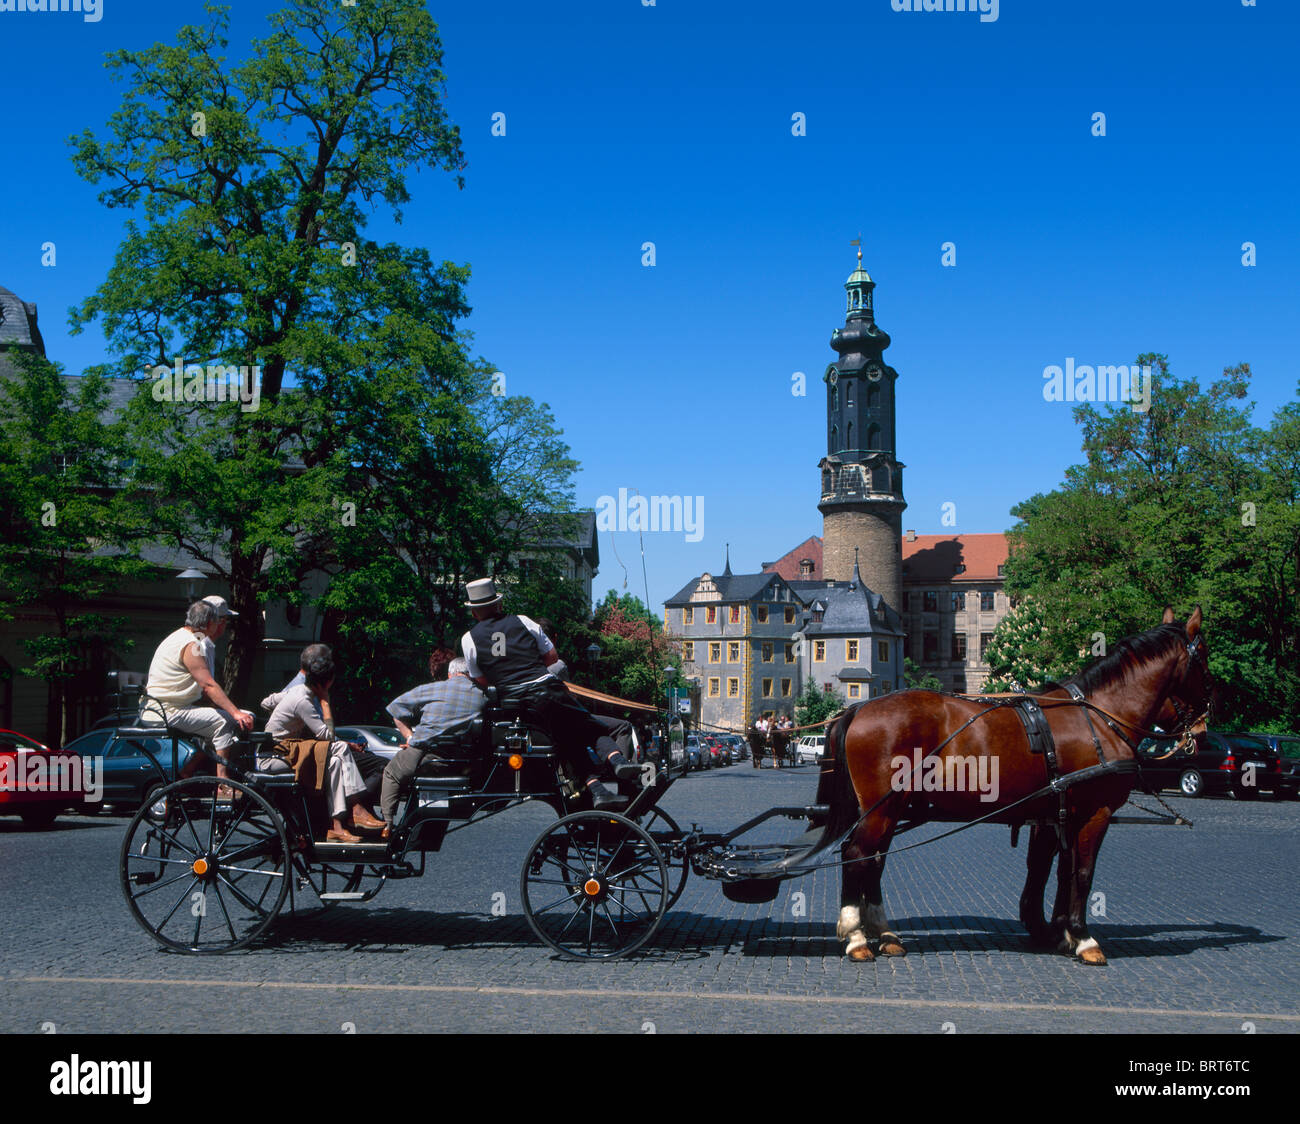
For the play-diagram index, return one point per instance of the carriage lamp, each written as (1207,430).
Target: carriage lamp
(515,761)
(593,651)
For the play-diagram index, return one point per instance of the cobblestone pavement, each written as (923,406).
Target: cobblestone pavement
(1200,926)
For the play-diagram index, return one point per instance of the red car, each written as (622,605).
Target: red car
(37,782)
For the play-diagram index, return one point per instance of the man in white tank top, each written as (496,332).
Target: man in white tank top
(183,673)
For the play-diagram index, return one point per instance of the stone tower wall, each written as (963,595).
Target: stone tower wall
(879,542)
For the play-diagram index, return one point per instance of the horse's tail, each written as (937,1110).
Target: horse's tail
(835,786)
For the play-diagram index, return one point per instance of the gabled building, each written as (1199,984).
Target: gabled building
(751,643)
(733,632)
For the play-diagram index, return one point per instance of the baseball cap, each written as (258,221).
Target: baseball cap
(219,603)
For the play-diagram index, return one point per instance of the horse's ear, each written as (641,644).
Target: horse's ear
(1168,618)
(1194,624)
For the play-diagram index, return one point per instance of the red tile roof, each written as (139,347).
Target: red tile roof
(788,564)
(926,558)
(936,557)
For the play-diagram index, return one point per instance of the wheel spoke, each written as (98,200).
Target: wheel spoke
(177,906)
(273,873)
(574,916)
(158,829)
(575,896)
(246,901)
(605,909)
(151,859)
(224,912)
(180,803)
(159,885)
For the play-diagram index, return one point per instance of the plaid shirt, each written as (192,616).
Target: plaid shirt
(433,708)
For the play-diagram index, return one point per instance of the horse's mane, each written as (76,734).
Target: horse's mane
(1128,655)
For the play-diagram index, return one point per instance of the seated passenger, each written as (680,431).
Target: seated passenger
(421,715)
(371,765)
(307,742)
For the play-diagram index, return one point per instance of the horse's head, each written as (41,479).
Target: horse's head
(1186,708)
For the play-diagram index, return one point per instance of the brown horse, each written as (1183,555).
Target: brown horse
(958,759)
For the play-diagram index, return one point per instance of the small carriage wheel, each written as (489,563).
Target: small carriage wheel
(659,823)
(213,875)
(594,886)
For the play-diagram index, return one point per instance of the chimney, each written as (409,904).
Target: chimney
(910,536)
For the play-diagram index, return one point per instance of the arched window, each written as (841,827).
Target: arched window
(835,397)
(849,443)
(873,397)
(835,439)
(826,480)
(873,437)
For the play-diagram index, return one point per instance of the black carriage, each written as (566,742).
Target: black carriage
(209,864)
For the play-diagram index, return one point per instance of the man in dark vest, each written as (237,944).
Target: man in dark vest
(512,653)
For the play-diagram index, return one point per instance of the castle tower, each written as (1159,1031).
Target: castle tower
(861,477)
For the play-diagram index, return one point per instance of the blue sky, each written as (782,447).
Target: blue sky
(672,124)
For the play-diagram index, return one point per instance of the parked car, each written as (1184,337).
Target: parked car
(1287,748)
(129,776)
(810,749)
(1223,763)
(382,740)
(739,748)
(694,753)
(36,782)
(718,754)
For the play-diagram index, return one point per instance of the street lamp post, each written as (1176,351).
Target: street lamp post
(192,580)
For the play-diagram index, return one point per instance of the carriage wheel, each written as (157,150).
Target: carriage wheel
(594,886)
(213,874)
(663,829)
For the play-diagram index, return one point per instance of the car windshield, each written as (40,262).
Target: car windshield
(9,742)
(386,734)
(1289,747)
(90,744)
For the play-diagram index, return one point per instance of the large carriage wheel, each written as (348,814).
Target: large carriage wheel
(659,824)
(594,886)
(213,874)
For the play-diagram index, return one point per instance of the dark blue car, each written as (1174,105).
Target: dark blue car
(129,776)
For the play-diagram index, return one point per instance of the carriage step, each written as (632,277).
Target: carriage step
(358,852)
(344,896)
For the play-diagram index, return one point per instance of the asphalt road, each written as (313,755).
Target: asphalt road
(1200,926)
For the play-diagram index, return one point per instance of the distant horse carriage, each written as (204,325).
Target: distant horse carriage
(774,741)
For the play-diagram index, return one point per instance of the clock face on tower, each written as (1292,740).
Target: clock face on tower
(874,371)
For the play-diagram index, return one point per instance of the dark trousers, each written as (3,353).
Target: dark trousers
(371,767)
(573,728)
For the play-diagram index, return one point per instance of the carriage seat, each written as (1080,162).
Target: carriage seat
(453,754)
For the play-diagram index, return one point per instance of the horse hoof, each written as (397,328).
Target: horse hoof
(862,952)
(892,948)
(1092,955)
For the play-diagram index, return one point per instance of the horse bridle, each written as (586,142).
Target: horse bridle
(1186,725)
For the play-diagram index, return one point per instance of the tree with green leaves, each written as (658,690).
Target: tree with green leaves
(1185,503)
(61,526)
(917,680)
(253,180)
(815,705)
